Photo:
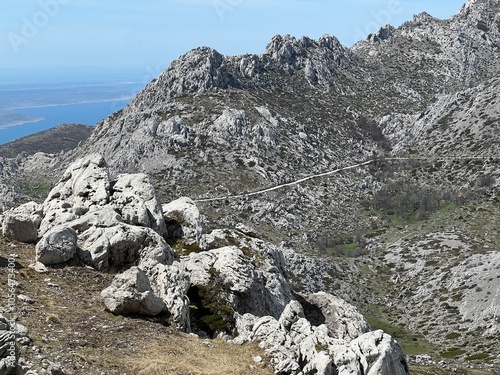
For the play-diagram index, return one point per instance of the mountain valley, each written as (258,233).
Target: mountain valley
(373,169)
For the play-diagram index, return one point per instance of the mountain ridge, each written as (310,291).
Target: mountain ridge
(248,107)
(390,233)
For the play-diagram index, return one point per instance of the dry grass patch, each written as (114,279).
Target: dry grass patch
(188,355)
(67,323)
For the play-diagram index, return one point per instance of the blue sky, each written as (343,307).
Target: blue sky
(149,34)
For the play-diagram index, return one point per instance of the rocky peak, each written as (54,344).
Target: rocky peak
(457,52)
(295,53)
(384,33)
(423,17)
(285,47)
(199,71)
(482,15)
(472,5)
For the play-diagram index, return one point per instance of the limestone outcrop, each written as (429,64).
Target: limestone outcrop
(131,293)
(230,283)
(58,245)
(21,223)
(183,220)
(296,346)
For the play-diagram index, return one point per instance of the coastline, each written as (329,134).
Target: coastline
(89,113)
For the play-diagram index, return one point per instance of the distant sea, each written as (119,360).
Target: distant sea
(32,101)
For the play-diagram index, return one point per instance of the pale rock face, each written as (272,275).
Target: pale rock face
(173,128)
(56,246)
(83,187)
(342,319)
(198,71)
(249,66)
(479,305)
(291,314)
(7,195)
(105,217)
(379,354)
(171,284)
(135,199)
(229,262)
(184,219)
(22,223)
(122,245)
(256,277)
(468,113)
(117,223)
(216,239)
(273,338)
(19,227)
(131,293)
(34,210)
(297,347)
(231,124)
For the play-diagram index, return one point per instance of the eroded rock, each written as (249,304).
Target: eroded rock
(135,199)
(21,223)
(183,219)
(131,293)
(121,246)
(259,287)
(83,187)
(56,246)
(342,319)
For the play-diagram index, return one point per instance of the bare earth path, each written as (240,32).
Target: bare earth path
(324,174)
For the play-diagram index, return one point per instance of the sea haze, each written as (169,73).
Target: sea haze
(34,101)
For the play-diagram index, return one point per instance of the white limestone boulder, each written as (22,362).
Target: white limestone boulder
(56,246)
(134,198)
(171,284)
(342,319)
(256,287)
(183,219)
(379,354)
(131,293)
(21,223)
(83,187)
(121,246)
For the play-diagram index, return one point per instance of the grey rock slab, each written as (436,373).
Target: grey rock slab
(22,222)
(135,199)
(379,354)
(58,245)
(342,319)
(19,227)
(84,186)
(255,287)
(131,293)
(171,284)
(185,219)
(122,245)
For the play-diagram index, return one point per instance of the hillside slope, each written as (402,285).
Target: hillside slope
(410,236)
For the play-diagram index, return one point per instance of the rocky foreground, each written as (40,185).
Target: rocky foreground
(412,243)
(226,283)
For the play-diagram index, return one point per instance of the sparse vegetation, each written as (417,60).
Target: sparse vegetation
(86,339)
(209,313)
